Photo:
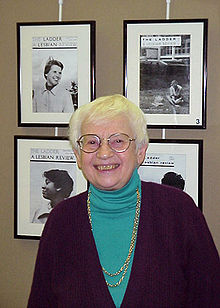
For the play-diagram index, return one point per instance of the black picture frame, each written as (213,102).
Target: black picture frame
(183,158)
(156,54)
(73,44)
(33,155)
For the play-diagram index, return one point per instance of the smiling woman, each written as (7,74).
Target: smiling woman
(52,97)
(122,243)
(106,168)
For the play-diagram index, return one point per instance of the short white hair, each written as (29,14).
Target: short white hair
(108,107)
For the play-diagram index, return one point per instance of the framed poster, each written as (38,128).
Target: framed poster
(165,71)
(177,163)
(56,71)
(46,173)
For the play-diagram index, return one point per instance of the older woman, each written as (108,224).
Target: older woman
(122,243)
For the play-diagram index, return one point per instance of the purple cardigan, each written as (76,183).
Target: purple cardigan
(175,264)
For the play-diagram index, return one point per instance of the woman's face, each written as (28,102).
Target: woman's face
(106,169)
(49,190)
(54,75)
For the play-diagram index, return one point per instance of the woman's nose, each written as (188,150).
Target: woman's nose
(104,150)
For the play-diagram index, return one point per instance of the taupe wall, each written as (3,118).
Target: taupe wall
(17,257)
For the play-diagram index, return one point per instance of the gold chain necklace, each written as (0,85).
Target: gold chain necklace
(124,267)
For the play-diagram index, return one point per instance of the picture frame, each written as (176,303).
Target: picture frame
(177,163)
(55,70)
(45,171)
(165,70)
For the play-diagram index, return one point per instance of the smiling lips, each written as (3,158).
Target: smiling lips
(107,167)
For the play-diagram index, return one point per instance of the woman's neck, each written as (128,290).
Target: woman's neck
(116,200)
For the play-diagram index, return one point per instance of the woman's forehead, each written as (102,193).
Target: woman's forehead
(118,124)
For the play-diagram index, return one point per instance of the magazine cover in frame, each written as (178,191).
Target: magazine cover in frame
(165,71)
(176,163)
(46,173)
(56,71)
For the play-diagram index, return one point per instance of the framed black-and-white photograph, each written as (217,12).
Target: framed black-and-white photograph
(46,173)
(56,71)
(165,71)
(177,163)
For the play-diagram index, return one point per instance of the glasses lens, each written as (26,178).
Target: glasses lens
(89,143)
(119,142)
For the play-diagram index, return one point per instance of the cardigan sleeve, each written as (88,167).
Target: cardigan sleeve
(203,266)
(193,245)
(41,295)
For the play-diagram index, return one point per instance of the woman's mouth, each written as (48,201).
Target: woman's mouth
(106,167)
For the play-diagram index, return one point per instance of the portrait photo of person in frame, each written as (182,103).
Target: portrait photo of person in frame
(57,186)
(52,97)
(54,74)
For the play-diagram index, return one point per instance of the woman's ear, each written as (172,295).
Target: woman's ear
(141,153)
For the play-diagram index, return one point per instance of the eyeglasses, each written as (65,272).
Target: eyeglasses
(90,143)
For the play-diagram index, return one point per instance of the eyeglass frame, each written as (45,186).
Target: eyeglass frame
(107,139)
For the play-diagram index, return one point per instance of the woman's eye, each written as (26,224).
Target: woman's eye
(118,141)
(92,142)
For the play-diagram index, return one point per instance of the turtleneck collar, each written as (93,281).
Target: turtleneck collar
(116,201)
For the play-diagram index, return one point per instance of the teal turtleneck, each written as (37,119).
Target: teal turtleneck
(112,215)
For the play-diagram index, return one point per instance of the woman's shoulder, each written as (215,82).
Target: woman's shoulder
(167,199)
(68,213)
(166,190)
(70,207)
(72,203)
(170,206)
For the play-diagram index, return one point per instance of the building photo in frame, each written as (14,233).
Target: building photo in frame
(46,173)
(176,163)
(165,71)
(56,66)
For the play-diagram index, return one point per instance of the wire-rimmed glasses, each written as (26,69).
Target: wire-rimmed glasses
(90,143)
